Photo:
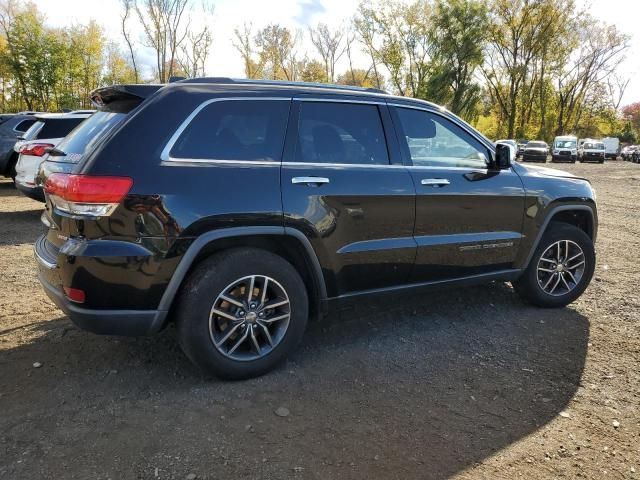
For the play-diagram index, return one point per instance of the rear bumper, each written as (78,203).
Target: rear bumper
(35,193)
(100,321)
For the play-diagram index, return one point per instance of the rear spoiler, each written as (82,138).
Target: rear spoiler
(121,98)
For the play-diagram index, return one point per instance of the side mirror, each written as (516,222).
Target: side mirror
(505,155)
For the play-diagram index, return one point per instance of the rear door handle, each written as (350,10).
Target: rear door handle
(435,182)
(311,181)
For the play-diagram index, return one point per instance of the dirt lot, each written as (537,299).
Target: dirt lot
(469,383)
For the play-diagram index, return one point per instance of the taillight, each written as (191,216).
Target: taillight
(36,149)
(86,195)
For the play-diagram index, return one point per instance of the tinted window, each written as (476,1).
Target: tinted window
(58,127)
(86,135)
(24,125)
(235,130)
(341,133)
(536,145)
(32,131)
(434,141)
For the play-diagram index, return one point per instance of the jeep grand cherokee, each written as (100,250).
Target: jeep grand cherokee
(239,209)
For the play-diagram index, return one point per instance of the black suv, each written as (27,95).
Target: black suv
(239,209)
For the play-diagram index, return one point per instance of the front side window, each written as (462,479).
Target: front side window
(341,133)
(235,130)
(433,141)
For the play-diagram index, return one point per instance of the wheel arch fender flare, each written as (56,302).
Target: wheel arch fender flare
(206,238)
(549,217)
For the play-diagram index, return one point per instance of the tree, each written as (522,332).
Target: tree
(329,45)
(631,113)
(243,42)
(396,35)
(164,27)
(128,6)
(600,51)
(117,69)
(518,33)
(277,52)
(197,46)
(313,71)
(457,39)
(357,77)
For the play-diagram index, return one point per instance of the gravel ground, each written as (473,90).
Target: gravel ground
(467,383)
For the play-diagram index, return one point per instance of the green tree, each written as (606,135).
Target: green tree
(457,39)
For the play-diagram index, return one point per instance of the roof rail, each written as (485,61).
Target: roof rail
(244,81)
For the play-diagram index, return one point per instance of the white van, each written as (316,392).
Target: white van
(565,149)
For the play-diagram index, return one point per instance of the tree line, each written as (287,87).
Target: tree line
(513,68)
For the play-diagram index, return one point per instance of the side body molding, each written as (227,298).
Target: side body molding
(208,237)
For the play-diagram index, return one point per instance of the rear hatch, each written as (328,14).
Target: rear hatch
(115,104)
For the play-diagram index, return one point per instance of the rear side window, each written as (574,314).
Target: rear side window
(341,133)
(86,135)
(58,127)
(235,130)
(24,125)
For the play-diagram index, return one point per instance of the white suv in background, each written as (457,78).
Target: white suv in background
(34,146)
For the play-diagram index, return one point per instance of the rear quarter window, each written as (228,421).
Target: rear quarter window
(24,125)
(246,130)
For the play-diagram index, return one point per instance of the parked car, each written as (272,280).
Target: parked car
(536,151)
(635,155)
(521,146)
(611,147)
(592,151)
(11,129)
(627,152)
(48,130)
(565,149)
(239,209)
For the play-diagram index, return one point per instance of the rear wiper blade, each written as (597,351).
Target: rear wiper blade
(56,152)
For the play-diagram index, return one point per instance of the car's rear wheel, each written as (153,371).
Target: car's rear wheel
(560,269)
(241,312)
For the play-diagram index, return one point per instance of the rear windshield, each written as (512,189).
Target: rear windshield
(85,136)
(58,127)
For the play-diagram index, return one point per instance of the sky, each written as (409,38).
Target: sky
(300,14)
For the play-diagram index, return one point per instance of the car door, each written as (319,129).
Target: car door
(468,217)
(344,186)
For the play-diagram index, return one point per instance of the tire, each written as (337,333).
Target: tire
(198,326)
(530,288)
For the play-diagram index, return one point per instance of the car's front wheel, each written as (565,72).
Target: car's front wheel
(560,269)
(241,312)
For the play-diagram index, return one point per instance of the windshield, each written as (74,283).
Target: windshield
(536,145)
(83,137)
(594,146)
(565,144)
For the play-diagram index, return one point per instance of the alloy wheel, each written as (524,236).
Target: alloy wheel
(561,267)
(249,318)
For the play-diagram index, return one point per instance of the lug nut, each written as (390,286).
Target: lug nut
(241,313)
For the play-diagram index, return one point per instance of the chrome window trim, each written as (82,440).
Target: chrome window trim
(194,162)
(338,100)
(165,155)
(340,165)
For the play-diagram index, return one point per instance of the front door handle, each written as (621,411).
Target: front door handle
(311,181)
(435,182)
